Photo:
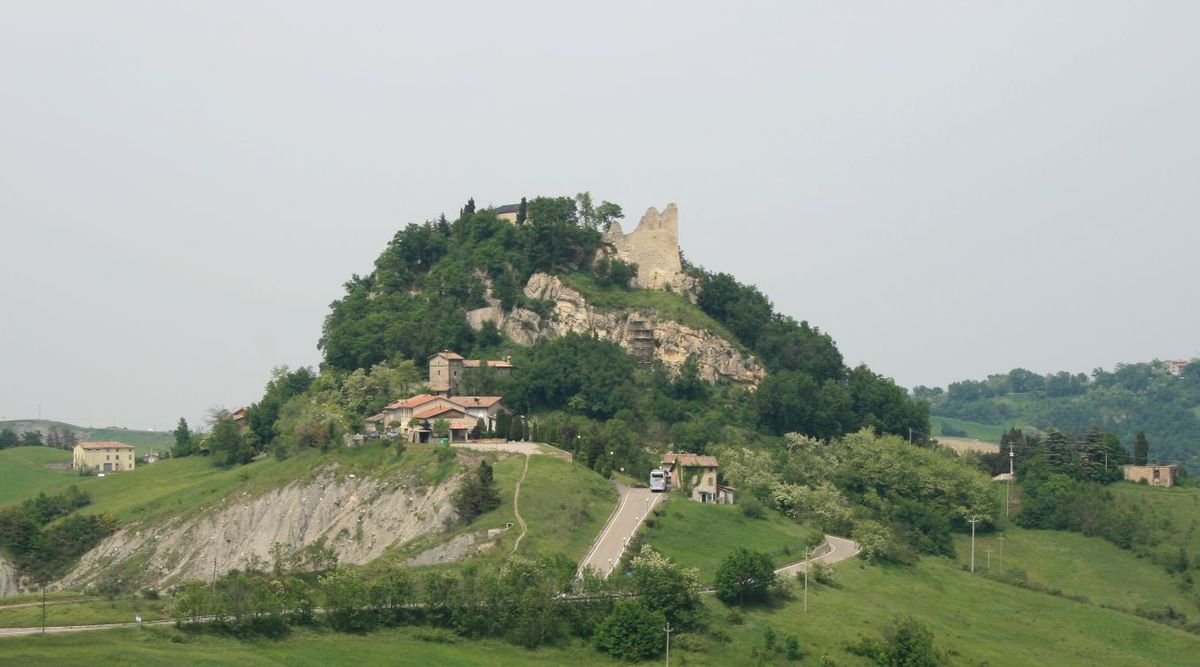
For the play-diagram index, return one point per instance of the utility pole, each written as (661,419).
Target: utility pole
(910,435)
(973,520)
(43,607)
(989,557)
(1001,552)
(1008,483)
(668,644)
(807,567)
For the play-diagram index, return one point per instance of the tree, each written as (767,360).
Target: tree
(227,444)
(183,440)
(631,632)
(516,429)
(522,211)
(441,428)
(479,429)
(1141,449)
(666,587)
(744,576)
(31,439)
(9,438)
(477,494)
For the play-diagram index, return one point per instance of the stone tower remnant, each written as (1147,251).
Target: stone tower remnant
(654,246)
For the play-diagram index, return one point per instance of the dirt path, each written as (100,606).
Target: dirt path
(517,506)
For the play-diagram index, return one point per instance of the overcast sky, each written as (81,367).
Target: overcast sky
(950,189)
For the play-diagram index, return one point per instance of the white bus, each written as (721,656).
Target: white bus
(658,480)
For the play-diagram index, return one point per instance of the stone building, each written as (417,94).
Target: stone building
(412,418)
(103,456)
(654,246)
(696,475)
(1154,475)
(446,370)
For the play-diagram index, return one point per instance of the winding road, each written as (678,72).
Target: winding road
(632,510)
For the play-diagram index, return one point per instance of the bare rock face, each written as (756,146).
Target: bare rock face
(359,518)
(674,343)
(9,584)
(654,246)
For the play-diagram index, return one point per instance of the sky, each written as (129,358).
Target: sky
(949,189)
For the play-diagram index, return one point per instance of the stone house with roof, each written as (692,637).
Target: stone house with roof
(413,418)
(696,475)
(446,370)
(103,456)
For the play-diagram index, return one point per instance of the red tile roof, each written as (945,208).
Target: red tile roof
(477,401)
(414,402)
(376,418)
(492,363)
(435,411)
(462,424)
(448,354)
(104,444)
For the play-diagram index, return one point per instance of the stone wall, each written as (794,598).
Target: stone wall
(653,245)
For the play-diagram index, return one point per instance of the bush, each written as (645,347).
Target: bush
(905,642)
(744,576)
(631,632)
(752,507)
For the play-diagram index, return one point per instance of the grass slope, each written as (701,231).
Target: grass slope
(1180,506)
(143,441)
(564,504)
(985,432)
(23,473)
(699,535)
(977,620)
(1079,565)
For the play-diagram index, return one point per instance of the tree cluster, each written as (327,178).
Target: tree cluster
(43,548)
(477,494)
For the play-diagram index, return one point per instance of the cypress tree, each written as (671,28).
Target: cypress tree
(1141,449)
(522,212)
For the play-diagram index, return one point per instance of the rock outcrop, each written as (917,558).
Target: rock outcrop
(360,518)
(9,584)
(674,343)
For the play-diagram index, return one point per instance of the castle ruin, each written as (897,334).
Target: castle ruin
(654,246)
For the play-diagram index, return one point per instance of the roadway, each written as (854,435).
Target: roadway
(632,510)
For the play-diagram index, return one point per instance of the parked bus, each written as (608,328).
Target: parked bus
(658,480)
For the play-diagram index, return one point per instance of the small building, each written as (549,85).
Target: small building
(1154,475)
(508,212)
(696,475)
(1175,366)
(446,371)
(103,456)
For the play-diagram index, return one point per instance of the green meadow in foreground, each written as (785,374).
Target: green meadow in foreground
(974,620)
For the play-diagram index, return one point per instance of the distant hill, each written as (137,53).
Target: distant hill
(1159,398)
(144,441)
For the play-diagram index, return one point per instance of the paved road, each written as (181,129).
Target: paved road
(840,548)
(634,506)
(16,632)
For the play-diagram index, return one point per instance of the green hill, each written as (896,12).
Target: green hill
(143,441)
(1143,397)
(24,472)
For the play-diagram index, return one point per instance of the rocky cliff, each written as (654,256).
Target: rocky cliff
(674,343)
(360,518)
(8,579)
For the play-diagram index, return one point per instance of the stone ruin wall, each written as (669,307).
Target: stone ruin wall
(654,246)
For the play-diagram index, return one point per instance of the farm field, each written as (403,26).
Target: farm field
(23,473)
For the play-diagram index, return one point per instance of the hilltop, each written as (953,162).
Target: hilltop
(1160,399)
(54,434)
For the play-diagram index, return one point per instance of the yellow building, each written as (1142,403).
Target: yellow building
(103,456)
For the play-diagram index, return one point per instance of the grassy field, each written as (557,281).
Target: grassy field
(1079,565)
(974,619)
(1179,506)
(82,611)
(985,432)
(559,522)
(23,472)
(687,532)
